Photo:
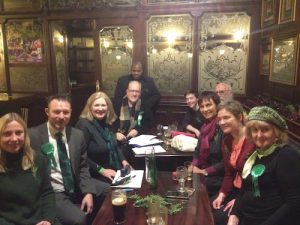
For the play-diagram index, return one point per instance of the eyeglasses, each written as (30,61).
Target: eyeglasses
(221,92)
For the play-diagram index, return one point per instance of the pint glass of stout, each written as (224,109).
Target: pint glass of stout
(119,200)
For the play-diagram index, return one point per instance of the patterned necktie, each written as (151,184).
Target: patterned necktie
(65,164)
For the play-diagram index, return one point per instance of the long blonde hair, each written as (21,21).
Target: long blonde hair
(28,154)
(87,114)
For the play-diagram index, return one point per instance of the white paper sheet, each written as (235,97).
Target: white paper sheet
(142,150)
(135,182)
(144,140)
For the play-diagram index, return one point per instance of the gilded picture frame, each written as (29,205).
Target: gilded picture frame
(265,63)
(284,59)
(268,15)
(287,11)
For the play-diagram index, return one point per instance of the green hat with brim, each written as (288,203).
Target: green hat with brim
(267,114)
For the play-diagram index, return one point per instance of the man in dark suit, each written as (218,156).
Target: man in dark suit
(75,190)
(150,95)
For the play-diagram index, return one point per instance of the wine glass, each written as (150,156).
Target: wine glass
(182,174)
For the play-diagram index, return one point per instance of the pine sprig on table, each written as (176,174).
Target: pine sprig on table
(144,202)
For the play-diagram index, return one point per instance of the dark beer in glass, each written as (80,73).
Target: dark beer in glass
(119,200)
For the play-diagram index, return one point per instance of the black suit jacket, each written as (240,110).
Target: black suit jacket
(77,151)
(150,95)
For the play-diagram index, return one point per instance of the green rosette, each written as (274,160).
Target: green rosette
(139,119)
(48,150)
(256,172)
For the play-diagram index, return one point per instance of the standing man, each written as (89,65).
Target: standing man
(150,95)
(133,119)
(224,91)
(65,148)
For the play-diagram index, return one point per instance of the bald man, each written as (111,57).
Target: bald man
(224,91)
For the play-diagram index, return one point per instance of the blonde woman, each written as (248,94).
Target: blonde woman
(95,121)
(270,192)
(26,194)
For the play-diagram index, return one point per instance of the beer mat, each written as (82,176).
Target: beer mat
(142,150)
(135,181)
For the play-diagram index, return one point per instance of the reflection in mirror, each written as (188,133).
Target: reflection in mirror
(223,50)
(59,49)
(169,45)
(116,55)
(3,85)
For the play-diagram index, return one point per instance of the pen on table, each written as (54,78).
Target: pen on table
(128,189)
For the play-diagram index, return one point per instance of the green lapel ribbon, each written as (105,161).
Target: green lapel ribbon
(48,150)
(256,172)
(139,119)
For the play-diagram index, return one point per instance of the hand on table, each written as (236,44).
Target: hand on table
(109,173)
(199,171)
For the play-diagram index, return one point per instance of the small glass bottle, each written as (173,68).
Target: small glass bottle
(152,170)
(148,154)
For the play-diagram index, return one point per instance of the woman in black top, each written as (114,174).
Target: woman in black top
(104,156)
(270,193)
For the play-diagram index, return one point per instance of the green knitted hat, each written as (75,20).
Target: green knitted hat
(269,115)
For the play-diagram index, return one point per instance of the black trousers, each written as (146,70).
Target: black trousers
(68,208)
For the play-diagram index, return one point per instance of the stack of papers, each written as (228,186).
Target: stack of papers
(144,140)
(134,182)
(142,150)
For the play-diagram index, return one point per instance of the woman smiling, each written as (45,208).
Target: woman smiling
(208,156)
(270,193)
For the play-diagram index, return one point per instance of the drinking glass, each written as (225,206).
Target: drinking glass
(181,177)
(119,200)
(189,167)
(157,214)
(159,129)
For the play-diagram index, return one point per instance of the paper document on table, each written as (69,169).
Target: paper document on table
(142,150)
(144,140)
(135,181)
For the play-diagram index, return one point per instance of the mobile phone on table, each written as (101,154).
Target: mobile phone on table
(177,194)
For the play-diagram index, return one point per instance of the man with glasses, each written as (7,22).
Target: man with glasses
(132,119)
(224,91)
(150,95)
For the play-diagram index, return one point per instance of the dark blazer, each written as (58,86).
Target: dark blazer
(150,95)
(97,150)
(77,150)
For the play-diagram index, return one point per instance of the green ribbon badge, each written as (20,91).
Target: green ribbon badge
(139,118)
(48,150)
(256,172)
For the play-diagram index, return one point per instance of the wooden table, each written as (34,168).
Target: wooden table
(196,211)
(167,161)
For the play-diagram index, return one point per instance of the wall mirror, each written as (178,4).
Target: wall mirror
(169,52)
(223,50)
(3,83)
(59,40)
(116,55)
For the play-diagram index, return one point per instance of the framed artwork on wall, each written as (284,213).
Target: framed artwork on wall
(284,59)
(287,11)
(24,41)
(268,13)
(265,63)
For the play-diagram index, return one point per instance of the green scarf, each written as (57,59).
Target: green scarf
(111,143)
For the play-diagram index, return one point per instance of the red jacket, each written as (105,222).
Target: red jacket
(230,172)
